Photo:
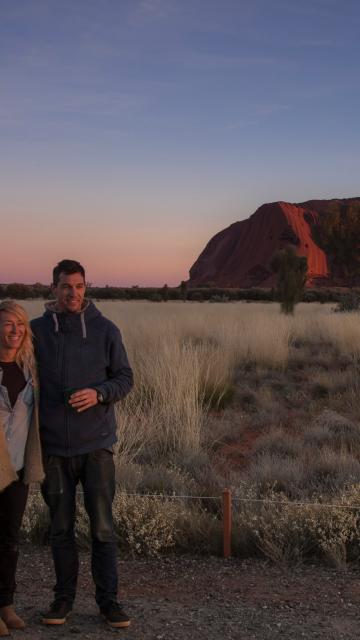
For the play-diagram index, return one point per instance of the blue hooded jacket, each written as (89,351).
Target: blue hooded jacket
(77,351)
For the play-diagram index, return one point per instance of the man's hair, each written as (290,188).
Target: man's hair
(68,267)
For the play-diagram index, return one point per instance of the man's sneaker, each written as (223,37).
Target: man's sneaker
(115,616)
(58,612)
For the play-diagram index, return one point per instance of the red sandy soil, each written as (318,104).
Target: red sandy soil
(235,454)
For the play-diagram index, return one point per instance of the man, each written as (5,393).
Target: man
(83,371)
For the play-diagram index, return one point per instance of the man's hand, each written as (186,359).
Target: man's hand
(83,399)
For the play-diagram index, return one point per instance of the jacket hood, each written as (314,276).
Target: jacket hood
(70,321)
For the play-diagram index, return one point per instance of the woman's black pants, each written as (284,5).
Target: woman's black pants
(12,506)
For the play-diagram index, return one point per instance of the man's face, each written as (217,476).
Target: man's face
(12,332)
(70,292)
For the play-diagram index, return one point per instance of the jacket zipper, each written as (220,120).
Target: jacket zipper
(64,384)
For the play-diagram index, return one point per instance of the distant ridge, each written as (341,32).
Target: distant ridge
(241,254)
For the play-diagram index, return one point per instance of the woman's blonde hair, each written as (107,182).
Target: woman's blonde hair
(25,354)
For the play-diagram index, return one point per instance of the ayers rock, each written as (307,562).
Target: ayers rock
(240,255)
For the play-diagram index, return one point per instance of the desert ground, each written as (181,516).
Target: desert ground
(180,598)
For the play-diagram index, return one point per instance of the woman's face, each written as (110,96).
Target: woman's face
(12,332)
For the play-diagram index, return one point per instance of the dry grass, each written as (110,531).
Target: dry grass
(285,531)
(208,375)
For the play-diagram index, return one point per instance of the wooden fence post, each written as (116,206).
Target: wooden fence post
(227,522)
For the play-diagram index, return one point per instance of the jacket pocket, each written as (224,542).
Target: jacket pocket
(101,454)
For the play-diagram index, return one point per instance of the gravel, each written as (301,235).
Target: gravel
(186,597)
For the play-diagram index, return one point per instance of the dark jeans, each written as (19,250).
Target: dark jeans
(96,473)
(12,507)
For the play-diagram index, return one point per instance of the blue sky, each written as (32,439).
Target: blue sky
(132,131)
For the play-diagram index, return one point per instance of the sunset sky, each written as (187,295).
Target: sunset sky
(133,130)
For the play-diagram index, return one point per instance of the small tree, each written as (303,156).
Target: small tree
(18,291)
(291,271)
(165,293)
(183,290)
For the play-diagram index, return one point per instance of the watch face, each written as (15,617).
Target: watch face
(100,397)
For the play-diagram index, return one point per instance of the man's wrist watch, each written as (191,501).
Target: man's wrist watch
(100,397)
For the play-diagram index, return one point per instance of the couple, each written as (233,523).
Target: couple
(69,405)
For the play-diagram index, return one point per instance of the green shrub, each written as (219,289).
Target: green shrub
(195,296)
(291,271)
(348,303)
(221,298)
(155,297)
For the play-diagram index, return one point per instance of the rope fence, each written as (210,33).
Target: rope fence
(227,503)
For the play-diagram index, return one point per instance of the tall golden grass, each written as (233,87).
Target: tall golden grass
(185,356)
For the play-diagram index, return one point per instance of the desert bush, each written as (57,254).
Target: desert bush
(284,475)
(348,303)
(328,471)
(163,480)
(195,296)
(333,431)
(247,399)
(36,520)
(223,427)
(128,474)
(277,530)
(332,376)
(319,391)
(198,530)
(82,525)
(319,436)
(156,297)
(284,531)
(219,298)
(145,525)
(270,410)
(277,443)
(306,471)
(352,402)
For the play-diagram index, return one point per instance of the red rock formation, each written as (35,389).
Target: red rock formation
(240,256)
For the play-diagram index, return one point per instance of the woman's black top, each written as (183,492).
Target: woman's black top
(13,379)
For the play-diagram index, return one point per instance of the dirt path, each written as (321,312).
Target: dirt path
(201,598)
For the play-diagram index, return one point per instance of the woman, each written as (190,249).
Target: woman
(20,453)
